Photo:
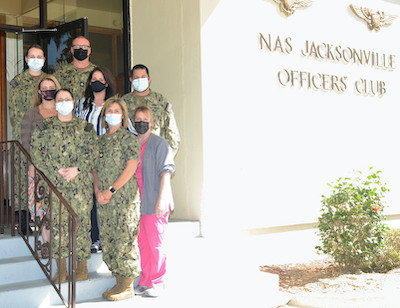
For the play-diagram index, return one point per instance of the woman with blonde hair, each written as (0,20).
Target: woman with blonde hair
(44,107)
(117,194)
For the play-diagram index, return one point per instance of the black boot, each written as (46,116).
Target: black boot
(23,223)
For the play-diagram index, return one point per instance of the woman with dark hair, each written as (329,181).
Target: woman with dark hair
(100,86)
(63,148)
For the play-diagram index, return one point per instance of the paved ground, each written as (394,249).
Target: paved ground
(224,272)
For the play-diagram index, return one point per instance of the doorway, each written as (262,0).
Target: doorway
(107,25)
(53,24)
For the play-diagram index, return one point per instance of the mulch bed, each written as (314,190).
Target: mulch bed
(300,274)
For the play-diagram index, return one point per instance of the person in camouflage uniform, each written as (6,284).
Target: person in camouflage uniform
(63,149)
(117,193)
(22,92)
(21,98)
(73,76)
(164,119)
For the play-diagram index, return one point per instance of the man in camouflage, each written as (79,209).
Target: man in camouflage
(57,145)
(164,119)
(21,98)
(73,76)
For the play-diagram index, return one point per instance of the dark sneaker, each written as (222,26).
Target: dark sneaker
(96,247)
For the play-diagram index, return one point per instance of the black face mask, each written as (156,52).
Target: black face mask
(80,54)
(141,127)
(97,86)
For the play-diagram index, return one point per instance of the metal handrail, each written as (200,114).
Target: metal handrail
(15,164)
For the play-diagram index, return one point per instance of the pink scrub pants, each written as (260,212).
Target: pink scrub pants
(152,255)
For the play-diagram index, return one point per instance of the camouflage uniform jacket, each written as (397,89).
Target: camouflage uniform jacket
(73,79)
(164,119)
(22,96)
(58,145)
(114,152)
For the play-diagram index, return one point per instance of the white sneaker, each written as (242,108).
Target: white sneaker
(140,290)
(155,291)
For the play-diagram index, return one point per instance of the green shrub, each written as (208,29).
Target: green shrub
(390,256)
(351,226)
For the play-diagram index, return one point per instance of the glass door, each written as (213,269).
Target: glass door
(56,42)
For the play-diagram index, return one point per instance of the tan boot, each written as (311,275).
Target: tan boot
(81,270)
(112,290)
(61,275)
(123,290)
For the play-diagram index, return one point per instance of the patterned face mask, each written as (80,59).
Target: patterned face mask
(48,95)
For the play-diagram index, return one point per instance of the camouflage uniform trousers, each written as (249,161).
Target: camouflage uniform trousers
(20,180)
(82,205)
(119,228)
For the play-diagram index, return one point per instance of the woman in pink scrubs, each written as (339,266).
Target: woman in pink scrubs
(154,181)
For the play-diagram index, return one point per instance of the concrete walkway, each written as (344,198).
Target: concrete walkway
(224,272)
(203,272)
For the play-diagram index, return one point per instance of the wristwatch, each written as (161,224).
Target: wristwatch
(112,189)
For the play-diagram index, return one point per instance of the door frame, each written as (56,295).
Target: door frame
(3,88)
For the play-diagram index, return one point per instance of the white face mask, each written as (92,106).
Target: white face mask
(140,84)
(35,64)
(65,107)
(113,119)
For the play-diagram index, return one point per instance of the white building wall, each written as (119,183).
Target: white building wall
(256,153)
(271,149)
(166,38)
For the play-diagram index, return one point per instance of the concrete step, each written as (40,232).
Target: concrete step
(25,268)
(17,269)
(39,293)
(11,247)
(23,283)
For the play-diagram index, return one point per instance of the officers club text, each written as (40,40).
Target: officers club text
(334,54)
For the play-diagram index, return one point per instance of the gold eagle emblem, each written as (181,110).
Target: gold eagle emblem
(288,6)
(374,20)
